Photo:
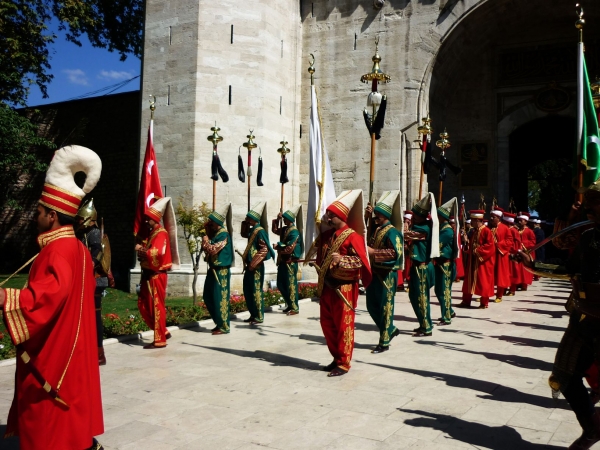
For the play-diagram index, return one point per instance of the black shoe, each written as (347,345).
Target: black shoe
(96,445)
(394,334)
(380,349)
(329,367)
(287,309)
(416,330)
(337,372)
(441,323)
(421,333)
(249,320)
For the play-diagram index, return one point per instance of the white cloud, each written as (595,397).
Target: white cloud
(76,76)
(114,75)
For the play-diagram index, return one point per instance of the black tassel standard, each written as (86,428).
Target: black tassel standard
(283,178)
(241,173)
(379,118)
(259,174)
(221,171)
(214,166)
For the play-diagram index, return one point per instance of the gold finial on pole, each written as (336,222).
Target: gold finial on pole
(152,106)
(215,138)
(580,22)
(443,143)
(250,145)
(311,69)
(376,73)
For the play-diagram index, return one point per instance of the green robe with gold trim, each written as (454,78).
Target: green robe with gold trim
(385,263)
(257,251)
(422,277)
(289,250)
(217,283)
(445,272)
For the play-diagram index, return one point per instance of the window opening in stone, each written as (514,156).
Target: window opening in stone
(232,34)
(170,35)
(168,94)
(230,94)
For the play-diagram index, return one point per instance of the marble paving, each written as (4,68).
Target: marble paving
(479,383)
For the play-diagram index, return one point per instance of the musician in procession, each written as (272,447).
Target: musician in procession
(341,262)
(503,240)
(156,258)
(218,246)
(523,277)
(386,253)
(289,249)
(258,250)
(445,264)
(406,272)
(57,402)
(479,273)
(424,237)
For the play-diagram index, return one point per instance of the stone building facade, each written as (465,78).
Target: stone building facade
(481,68)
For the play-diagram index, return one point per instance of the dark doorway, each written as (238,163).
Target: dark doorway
(541,164)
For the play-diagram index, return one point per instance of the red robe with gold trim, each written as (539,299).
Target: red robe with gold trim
(155,261)
(337,319)
(527,242)
(503,239)
(515,267)
(52,319)
(479,273)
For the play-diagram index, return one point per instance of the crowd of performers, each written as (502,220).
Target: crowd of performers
(55,320)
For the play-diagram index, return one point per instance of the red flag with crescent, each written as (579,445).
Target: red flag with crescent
(150,186)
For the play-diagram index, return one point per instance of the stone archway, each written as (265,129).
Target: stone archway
(482,84)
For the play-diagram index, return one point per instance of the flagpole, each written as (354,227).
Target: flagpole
(580,167)
(283,151)
(443,143)
(425,130)
(215,139)
(250,145)
(374,100)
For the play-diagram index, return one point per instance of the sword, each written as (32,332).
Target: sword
(40,379)
(243,262)
(559,233)
(340,295)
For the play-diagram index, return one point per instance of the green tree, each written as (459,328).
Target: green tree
(19,159)
(24,37)
(191,220)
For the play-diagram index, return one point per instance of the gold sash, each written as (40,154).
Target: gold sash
(328,258)
(250,242)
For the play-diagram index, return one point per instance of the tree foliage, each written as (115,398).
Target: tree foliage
(24,37)
(550,191)
(19,159)
(191,220)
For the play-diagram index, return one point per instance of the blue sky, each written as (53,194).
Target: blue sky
(81,70)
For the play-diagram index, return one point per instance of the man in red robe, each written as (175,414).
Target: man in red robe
(527,236)
(155,260)
(513,265)
(479,273)
(460,268)
(57,401)
(503,239)
(342,261)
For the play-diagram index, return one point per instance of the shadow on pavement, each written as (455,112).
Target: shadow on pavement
(473,433)
(553,314)
(275,359)
(492,391)
(523,362)
(528,342)
(533,326)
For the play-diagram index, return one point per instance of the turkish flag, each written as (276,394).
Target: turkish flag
(150,186)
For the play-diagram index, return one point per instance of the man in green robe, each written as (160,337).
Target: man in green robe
(289,250)
(386,255)
(424,237)
(218,246)
(257,251)
(445,265)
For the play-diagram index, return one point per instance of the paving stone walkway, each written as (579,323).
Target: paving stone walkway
(479,383)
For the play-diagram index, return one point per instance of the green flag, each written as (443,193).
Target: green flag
(588,141)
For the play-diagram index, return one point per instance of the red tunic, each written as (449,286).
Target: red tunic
(479,273)
(527,242)
(53,321)
(151,301)
(515,269)
(337,318)
(503,238)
